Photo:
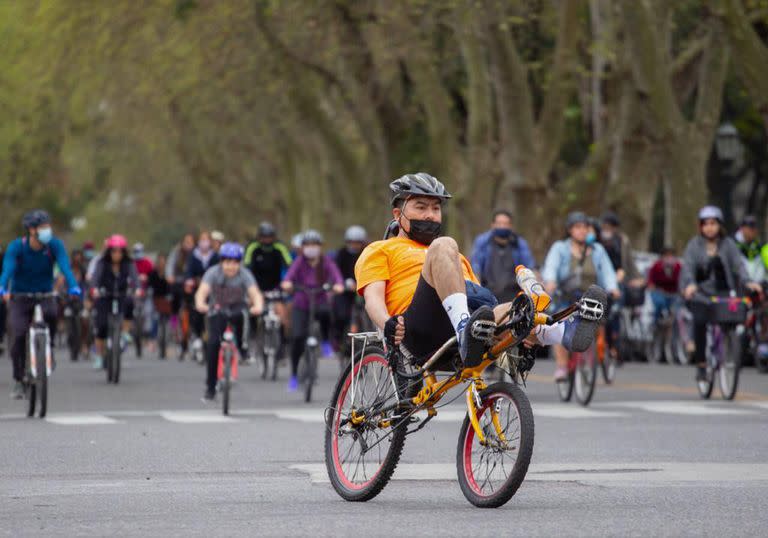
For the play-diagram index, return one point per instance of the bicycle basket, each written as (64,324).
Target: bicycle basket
(634,296)
(720,310)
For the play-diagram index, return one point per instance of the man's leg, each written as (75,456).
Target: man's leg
(19,311)
(442,271)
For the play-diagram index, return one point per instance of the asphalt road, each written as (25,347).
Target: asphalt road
(148,458)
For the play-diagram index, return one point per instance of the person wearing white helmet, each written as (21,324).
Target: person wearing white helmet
(355,239)
(712,266)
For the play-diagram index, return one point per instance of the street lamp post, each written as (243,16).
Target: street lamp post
(729,152)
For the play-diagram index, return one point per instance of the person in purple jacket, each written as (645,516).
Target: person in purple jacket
(311,269)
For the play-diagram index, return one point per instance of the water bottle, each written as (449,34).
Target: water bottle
(532,288)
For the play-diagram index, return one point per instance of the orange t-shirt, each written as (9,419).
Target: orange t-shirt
(398,261)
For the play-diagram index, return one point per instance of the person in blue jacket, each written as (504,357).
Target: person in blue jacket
(28,268)
(496,253)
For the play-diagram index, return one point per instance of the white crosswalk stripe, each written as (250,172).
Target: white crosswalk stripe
(449,414)
(89,419)
(607,474)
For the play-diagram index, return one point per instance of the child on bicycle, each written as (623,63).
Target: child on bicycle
(312,269)
(223,292)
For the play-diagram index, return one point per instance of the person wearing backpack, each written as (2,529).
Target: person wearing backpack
(28,268)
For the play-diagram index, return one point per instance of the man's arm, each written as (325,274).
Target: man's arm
(62,260)
(256,299)
(375,303)
(9,264)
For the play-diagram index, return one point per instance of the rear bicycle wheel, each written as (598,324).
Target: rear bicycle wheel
(585,376)
(360,458)
(730,363)
(490,473)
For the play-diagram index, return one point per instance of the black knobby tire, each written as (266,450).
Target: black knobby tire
(730,366)
(585,376)
(226,380)
(493,395)
(310,373)
(393,445)
(42,375)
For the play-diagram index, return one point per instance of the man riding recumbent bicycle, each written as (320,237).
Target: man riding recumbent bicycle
(421,292)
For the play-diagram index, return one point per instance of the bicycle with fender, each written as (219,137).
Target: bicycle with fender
(39,360)
(228,355)
(308,364)
(376,398)
(724,347)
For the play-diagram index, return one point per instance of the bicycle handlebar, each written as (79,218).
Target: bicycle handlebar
(39,295)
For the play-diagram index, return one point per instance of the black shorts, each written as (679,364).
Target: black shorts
(427,325)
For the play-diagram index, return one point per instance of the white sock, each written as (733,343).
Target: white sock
(456,307)
(549,335)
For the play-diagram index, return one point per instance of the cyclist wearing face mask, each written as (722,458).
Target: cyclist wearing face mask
(421,291)
(312,269)
(495,255)
(571,266)
(28,268)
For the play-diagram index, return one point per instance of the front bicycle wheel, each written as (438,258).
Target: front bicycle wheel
(226,379)
(491,472)
(361,455)
(706,385)
(310,373)
(730,363)
(565,388)
(162,336)
(608,367)
(585,376)
(42,374)
(73,337)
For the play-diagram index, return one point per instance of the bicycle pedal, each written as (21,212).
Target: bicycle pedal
(483,329)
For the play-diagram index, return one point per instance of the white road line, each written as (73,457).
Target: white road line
(696,408)
(592,473)
(80,420)
(192,417)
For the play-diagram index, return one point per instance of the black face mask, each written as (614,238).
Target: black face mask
(424,231)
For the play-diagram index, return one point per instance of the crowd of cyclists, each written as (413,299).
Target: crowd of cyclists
(206,282)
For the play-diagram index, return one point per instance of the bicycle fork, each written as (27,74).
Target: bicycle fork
(473,404)
(39,327)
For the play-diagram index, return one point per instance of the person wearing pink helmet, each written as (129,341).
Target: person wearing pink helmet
(115,272)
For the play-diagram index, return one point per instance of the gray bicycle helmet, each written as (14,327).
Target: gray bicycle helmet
(311,237)
(266,229)
(356,234)
(609,217)
(419,184)
(711,212)
(35,218)
(576,217)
